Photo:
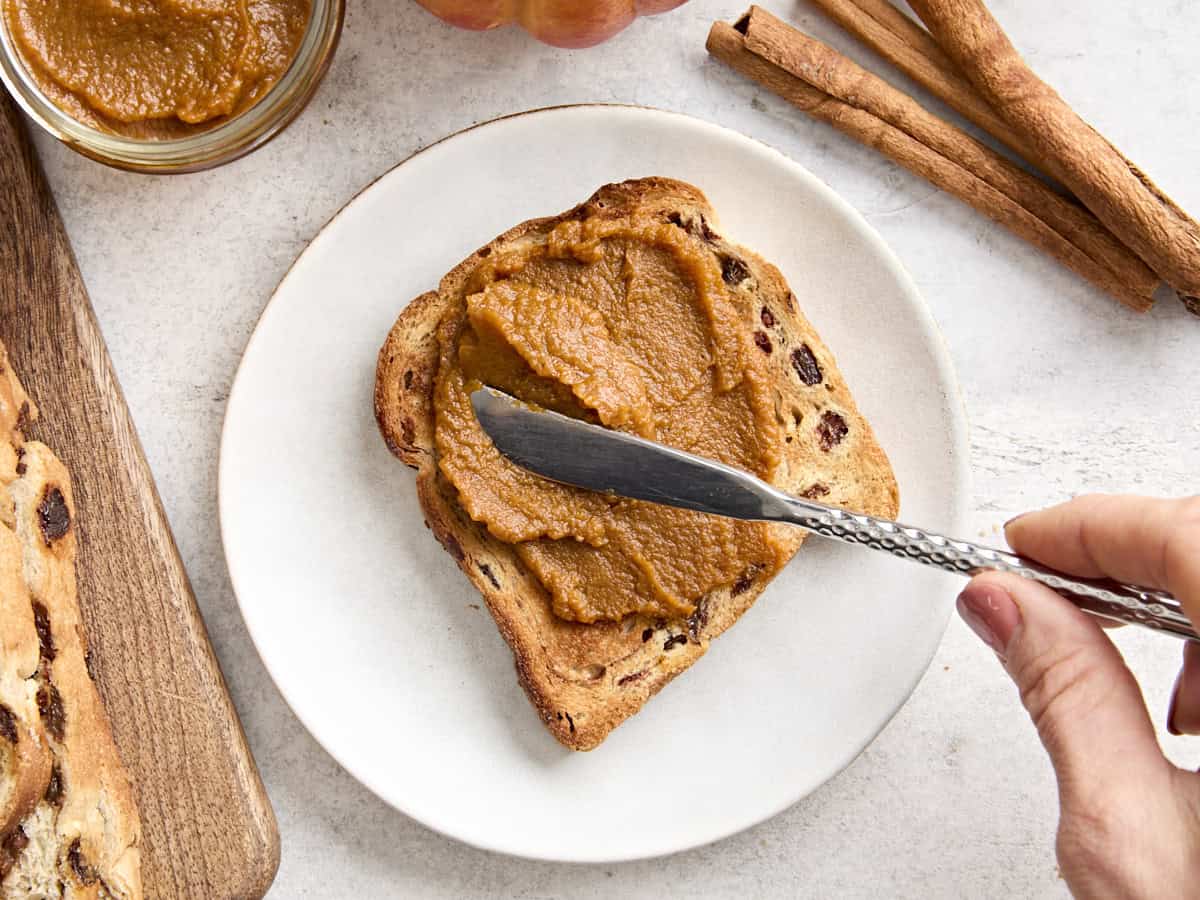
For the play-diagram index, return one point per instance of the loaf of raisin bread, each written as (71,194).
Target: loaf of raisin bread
(585,679)
(71,829)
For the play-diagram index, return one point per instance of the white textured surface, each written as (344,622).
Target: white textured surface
(1066,392)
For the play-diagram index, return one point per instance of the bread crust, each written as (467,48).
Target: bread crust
(584,680)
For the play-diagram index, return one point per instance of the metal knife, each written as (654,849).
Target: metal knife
(589,456)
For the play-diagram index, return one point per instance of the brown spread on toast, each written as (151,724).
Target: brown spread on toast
(629,322)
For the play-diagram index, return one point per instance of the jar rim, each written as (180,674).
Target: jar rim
(241,134)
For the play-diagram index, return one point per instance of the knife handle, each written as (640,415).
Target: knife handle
(1107,599)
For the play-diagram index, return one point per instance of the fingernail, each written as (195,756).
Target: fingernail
(991,613)
(1014,518)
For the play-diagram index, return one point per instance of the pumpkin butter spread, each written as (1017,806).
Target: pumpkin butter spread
(628,323)
(155,69)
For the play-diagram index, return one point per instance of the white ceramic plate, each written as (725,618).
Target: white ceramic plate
(379,643)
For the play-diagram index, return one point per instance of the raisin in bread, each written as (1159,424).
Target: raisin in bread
(585,679)
(78,835)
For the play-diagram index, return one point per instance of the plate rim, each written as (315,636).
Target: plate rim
(959,432)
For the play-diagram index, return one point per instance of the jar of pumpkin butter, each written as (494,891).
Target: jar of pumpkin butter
(165,85)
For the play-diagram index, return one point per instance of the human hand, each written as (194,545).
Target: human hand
(1129,823)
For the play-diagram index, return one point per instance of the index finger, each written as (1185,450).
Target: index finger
(1141,540)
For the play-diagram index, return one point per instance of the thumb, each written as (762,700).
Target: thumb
(1085,703)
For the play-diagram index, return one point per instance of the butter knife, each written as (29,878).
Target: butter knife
(589,456)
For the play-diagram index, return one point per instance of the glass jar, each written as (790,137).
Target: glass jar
(239,135)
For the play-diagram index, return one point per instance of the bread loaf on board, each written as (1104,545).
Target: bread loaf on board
(70,825)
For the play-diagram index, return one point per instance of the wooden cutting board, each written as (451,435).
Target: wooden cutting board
(207,826)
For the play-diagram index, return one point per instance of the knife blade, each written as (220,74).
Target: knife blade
(588,456)
(595,458)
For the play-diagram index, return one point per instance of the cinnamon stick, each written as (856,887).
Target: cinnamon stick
(912,50)
(832,88)
(1119,194)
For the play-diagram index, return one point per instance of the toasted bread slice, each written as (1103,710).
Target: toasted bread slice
(585,679)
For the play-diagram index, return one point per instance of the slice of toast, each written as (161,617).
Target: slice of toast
(585,679)
(75,833)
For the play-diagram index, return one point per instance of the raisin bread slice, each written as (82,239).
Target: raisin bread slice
(25,760)
(83,838)
(75,831)
(584,680)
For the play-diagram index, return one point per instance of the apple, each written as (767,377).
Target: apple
(563,23)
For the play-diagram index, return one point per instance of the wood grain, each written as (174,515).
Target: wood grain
(208,827)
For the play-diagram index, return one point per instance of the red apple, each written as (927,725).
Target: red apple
(563,23)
